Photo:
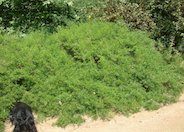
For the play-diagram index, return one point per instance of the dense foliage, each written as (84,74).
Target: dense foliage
(169,17)
(71,66)
(164,19)
(92,69)
(35,14)
(117,11)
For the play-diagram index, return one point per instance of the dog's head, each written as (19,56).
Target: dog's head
(21,116)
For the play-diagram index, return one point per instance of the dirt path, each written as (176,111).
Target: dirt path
(167,119)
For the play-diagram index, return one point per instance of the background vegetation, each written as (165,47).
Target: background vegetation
(26,15)
(74,58)
(164,19)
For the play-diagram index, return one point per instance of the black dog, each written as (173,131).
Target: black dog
(21,116)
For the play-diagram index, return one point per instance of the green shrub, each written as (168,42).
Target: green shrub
(25,14)
(1,126)
(88,69)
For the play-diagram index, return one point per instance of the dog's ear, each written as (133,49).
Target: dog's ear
(12,115)
(11,118)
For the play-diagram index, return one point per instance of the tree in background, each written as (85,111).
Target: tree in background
(33,14)
(168,16)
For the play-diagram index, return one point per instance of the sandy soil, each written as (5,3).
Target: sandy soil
(167,119)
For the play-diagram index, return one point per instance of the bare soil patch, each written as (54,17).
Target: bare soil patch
(167,119)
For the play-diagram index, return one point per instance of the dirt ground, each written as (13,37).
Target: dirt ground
(167,119)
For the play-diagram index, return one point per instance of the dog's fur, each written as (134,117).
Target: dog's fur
(21,116)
